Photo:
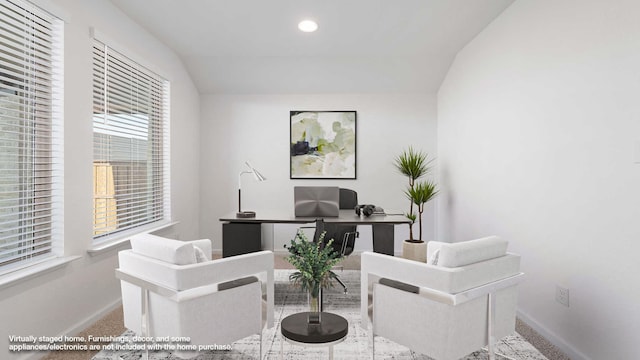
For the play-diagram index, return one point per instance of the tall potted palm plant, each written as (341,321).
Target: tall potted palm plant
(414,164)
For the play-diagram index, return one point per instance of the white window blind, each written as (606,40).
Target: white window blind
(130,144)
(31,173)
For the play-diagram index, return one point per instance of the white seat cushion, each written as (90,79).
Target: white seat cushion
(163,249)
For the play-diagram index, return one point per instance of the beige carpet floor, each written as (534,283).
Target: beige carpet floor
(112,324)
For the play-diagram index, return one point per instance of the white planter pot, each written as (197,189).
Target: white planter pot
(414,251)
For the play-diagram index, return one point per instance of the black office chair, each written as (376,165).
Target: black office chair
(344,236)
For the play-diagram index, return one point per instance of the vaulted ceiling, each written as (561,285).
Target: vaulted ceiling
(361,46)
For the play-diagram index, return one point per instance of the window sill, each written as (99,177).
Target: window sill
(35,270)
(118,242)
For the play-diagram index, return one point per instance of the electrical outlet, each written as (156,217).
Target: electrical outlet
(562,295)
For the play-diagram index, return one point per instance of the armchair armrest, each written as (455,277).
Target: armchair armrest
(467,295)
(162,290)
(225,269)
(181,277)
(146,284)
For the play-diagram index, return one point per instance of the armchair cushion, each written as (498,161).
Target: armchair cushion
(200,255)
(163,249)
(433,257)
(201,247)
(469,252)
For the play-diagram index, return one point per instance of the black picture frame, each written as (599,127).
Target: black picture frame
(322,144)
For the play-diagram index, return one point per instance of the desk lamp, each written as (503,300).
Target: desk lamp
(259,177)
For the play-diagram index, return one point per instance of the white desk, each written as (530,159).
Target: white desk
(237,242)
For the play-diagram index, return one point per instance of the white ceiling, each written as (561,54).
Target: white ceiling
(361,46)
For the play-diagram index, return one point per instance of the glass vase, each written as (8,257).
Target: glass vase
(315,306)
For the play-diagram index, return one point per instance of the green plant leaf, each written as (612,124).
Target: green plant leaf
(411,217)
(412,163)
(422,192)
(313,262)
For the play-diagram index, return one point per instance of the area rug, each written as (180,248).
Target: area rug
(290,300)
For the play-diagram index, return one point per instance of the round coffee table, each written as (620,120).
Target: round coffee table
(331,330)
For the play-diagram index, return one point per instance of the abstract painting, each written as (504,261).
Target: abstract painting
(323,145)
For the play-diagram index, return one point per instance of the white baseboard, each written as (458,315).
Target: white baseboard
(554,339)
(79,327)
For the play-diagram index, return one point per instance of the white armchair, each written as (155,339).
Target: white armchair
(460,301)
(173,288)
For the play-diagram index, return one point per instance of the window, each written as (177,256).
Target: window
(130,144)
(31,145)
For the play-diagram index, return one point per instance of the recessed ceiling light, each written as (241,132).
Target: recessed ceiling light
(308,26)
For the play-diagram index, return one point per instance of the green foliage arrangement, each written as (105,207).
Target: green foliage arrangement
(313,261)
(412,164)
(420,194)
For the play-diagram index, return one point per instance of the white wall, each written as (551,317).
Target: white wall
(236,128)
(65,301)
(538,118)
